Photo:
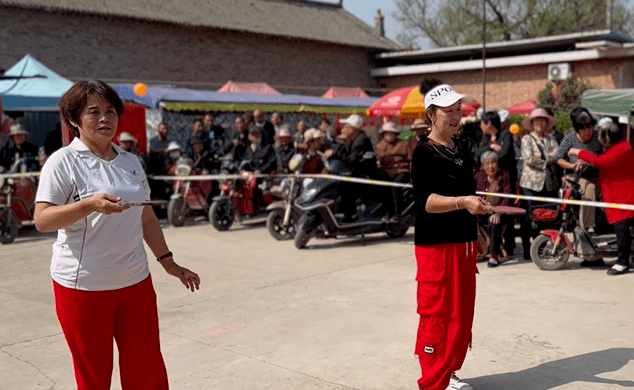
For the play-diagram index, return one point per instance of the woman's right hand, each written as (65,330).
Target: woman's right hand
(474,204)
(106,204)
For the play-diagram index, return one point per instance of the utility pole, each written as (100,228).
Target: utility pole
(484,55)
(609,5)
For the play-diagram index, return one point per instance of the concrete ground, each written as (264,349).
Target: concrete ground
(335,316)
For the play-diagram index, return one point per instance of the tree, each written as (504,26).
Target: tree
(562,97)
(459,22)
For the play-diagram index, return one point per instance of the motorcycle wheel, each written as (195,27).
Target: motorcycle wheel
(541,254)
(276,228)
(396,231)
(221,215)
(175,214)
(8,230)
(302,237)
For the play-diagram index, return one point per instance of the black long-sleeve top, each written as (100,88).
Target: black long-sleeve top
(437,170)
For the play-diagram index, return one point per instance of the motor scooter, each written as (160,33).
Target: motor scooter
(318,201)
(189,196)
(551,249)
(17,201)
(239,200)
(283,214)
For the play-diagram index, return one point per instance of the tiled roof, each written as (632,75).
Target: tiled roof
(303,19)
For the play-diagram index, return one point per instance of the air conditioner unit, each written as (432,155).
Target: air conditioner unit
(557,72)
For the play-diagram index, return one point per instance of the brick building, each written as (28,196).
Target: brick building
(297,46)
(515,71)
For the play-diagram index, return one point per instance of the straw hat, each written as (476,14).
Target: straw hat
(312,134)
(420,124)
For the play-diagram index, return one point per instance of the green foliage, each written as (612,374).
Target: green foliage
(459,22)
(517,120)
(563,122)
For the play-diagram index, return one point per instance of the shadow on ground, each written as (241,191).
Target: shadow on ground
(551,375)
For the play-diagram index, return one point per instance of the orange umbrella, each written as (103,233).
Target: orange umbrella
(403,103)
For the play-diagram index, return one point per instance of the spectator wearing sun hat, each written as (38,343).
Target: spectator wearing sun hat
(392,157)
(284,149)
(18,147)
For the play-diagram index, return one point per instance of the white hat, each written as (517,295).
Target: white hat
(604,120)
(389,126)
(17,129)
(353,120)
(443,96)
(312,134)
(125,136)
(172,147)
(504,115)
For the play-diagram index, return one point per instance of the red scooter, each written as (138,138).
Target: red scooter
(238,199)
(17,202)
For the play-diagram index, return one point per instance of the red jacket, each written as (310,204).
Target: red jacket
(616,167)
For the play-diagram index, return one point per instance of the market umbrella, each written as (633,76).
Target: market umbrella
(408,103)
(523,108)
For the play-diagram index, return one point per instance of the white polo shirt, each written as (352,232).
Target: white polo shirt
(98,252)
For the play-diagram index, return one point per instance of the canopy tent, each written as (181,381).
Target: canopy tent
(180,99)
(409,103)
(341,92)
(261,88)
(523,108)
(31,86)
(610,102)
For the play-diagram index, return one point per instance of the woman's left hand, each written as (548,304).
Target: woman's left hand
(189,278)
(495,219)
(574,152)
(496,147)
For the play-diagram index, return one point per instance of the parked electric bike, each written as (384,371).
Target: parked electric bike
(189,196)
(241,199)
(17,201)
(552,248)
(318,202)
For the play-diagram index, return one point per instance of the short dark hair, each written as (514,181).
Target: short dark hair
(493,118)
(209,113)
(610,134)
(278,114)
(73,102)
(164,124)
(581,118)
(324,120)
(248,117)
(427,84)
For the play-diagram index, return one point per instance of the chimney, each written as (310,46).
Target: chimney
(608,14)
(378,23)
(341,3)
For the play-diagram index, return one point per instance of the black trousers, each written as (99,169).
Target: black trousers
(623,241)
(397,192)
(495,231)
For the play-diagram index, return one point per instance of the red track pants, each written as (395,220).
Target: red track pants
(91,320)
(446,302)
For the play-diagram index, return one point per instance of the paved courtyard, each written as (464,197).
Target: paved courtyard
(337,316)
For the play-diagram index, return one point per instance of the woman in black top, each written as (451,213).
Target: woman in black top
(445,235)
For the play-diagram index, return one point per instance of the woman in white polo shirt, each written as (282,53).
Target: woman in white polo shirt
(101,280)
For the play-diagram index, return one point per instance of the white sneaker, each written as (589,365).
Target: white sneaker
(456,384)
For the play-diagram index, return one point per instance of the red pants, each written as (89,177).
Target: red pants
(91,320)
(446,302)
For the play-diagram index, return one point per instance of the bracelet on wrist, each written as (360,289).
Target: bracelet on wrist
(456,201)
(165,256)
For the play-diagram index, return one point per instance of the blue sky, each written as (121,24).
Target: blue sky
(366,9)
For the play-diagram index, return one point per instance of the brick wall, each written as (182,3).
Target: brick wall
(508,86)
(81,46)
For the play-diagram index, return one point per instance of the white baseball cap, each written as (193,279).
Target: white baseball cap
(443,96)
(504,115)
(389,126)
(353,120)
